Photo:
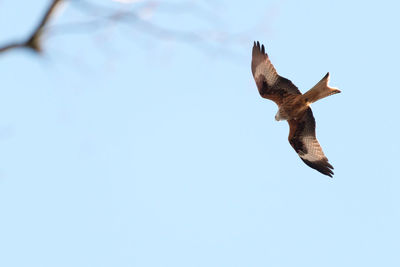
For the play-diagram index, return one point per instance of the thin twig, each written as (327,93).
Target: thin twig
(11,46)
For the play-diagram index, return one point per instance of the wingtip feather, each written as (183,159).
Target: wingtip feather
(323,166)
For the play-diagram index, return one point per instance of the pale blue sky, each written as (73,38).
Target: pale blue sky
(119,148)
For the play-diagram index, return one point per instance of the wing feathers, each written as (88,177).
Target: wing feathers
(322,166)
(303,140)
(262,67)
(270,85)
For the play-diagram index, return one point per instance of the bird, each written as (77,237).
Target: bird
(294,107)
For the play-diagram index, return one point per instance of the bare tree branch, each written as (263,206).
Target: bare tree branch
(33,42)
(10,46)
(137,14)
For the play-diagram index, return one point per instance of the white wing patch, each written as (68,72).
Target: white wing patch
(314,150)
(266,69)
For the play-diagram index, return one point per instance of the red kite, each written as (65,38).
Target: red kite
(294,107)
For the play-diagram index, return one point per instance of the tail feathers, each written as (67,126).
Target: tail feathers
(320,90)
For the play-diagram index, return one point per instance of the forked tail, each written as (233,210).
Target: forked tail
(320,90)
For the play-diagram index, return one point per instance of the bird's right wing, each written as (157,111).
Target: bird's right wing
(303,140)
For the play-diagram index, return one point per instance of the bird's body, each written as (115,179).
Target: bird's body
(293,107)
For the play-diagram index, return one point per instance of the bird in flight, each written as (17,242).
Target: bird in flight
(294,107)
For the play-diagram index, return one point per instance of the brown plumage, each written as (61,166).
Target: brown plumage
(293,107)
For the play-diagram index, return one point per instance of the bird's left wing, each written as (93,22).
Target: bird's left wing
(269,83)
(303,140)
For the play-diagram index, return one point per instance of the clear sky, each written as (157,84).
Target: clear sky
(121,147)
